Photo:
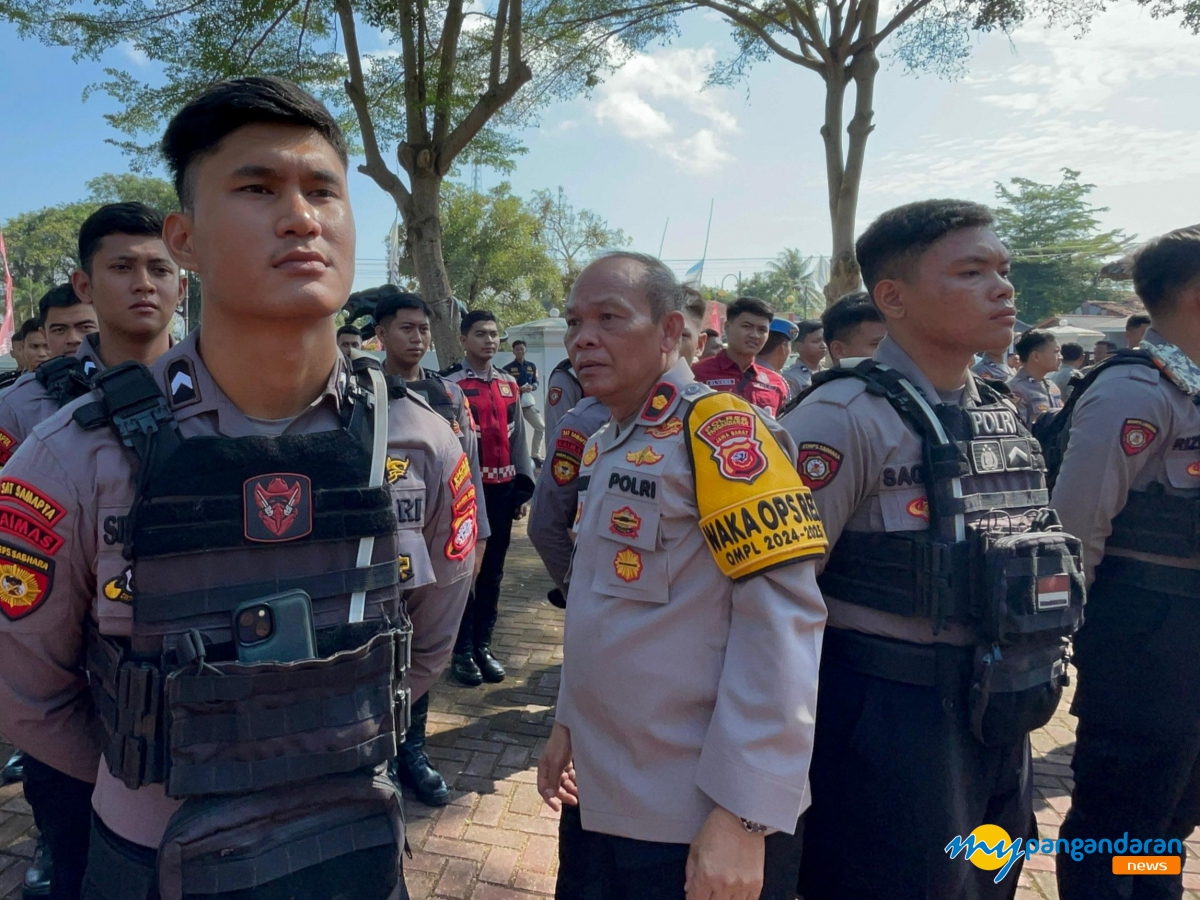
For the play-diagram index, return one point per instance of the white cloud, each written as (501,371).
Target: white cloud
(135,55)
(659,99)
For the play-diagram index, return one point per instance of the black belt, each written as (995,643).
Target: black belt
(926,665)
(1138,574)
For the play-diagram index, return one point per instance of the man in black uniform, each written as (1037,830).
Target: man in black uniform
(526,374)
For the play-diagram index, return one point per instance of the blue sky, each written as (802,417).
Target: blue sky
(1121,104)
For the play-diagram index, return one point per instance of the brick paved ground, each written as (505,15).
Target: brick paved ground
(496,840)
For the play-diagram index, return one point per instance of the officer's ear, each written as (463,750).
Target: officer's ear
(671,326)
(177,235)
(81,281)
(889,298)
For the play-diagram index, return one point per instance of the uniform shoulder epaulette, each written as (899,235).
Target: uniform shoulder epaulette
(450,370)
(841,392)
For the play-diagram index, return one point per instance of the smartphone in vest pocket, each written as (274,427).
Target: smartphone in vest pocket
(278,628)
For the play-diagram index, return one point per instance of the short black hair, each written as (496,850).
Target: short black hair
(712,333)
(392,300)
(349,329)
(476,315)
(116,218)
(60,297)
(1032,340)
(1165,266)
(847,314)
(518,341)
(805,327)
(1111,345)
(1071,352)
(774,339)
(893,243)
(198,129)
(751,305)
(31,324)
(1137,320)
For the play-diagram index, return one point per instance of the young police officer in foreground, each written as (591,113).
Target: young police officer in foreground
(941,652)
(1129,487)
(693,621)
(177,514)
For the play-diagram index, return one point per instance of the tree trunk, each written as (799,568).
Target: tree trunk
(423,237)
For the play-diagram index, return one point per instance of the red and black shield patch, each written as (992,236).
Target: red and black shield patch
(732,435)
(554,396)
(8,446)
(564,467)
(660,399)
(278,507)
(25,580)
(1137,435)
(818,464)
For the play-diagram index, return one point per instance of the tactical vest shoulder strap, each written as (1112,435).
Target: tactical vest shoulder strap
(63,379)
(9,378)
(566,367)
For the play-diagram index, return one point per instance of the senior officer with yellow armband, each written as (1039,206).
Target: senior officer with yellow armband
(693,621)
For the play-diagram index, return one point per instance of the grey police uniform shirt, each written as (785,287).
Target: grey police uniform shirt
(798,377)
(682,688)
(1034,397)
(862,463)
(563,391)
(553,507)
(27,404)
(1133,428)
(72,481)
(1063,378)
(991,370)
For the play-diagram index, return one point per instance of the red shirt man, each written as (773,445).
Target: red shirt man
(747,323)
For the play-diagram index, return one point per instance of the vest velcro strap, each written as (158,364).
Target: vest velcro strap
(156,608)
(1160,523)
(1001,500)
(925,665)
(1036,667)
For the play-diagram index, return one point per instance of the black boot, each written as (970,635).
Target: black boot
(14,769)
(489,667)
(412,767)
(464,670)
(37,876)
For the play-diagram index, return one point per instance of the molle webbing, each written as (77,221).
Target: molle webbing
(1159,523)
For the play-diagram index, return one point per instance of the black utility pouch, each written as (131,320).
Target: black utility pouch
(1015,690)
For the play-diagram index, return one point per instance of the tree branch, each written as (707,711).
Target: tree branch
(748,23)
(497,45)
(451,30)
(514,36)
(266,34)
(906,12)
(376,169)
(485,107)
(414,113)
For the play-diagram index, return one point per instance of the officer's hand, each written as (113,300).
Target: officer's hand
(526,388)
(521,512)
(726,861)
(480,546)
(568,790)
(556,758)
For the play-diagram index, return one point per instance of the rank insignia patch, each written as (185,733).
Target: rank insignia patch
(625,522)
(564,468)
(659,400)
(817,464)
(643,457)
(181,383)
(32,499)
(25,579)
(1137,435)
(732,436)
(120,589)
(589,455)
(667,429)
(406,570)
(278,507)
(396,468)
(554,396)
(628,564)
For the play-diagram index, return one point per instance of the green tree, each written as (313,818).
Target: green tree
(572,236)
(1057,244)
(494,254)
(43,244)
(452,78)
(789,284)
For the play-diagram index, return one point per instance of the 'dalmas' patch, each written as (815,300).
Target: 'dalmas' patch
(278,507)
(25,580)
(732,436)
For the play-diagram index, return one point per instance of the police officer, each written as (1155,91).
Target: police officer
(777,349)
(853,327)
(68,322)
(747,325)
(690,650)
(402,324)
(993,365)
(507,486)
(133,287)
(563,391)
(219,543)
(928,686)
(526,374)
(809,344)
(552,511)
(1129,487)
(1034,391)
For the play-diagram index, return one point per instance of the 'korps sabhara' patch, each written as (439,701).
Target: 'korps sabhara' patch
(182,389)
(25,580)
(278,507)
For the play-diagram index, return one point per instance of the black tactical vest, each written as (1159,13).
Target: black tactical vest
(433,389)
(65,378)
(217,522)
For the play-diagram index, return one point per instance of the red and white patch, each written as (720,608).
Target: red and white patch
(1137,435)
(554,396)
(817,464)
(918,508)
(32,499)
(27,528)
(505,389)
(625,522)
(1053,592)
(460,476)
(277,507)
(25,580)
(464,526)
(732,435)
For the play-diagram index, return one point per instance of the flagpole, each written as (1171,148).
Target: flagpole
(664,237)
(707,232)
